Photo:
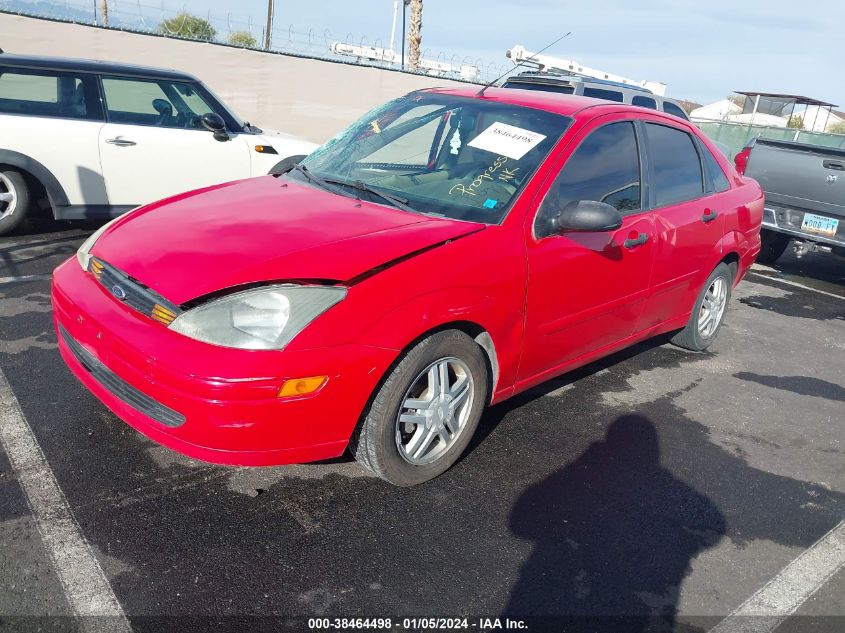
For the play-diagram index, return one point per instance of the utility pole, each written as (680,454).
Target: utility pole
(405,4)
(268,32)
(393,28)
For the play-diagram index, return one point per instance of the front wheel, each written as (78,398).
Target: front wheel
(708,313)
(426,411)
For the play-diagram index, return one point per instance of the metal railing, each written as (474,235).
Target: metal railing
(736,135)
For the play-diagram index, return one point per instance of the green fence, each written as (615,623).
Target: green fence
(736,135)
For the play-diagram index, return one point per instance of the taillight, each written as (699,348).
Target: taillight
(741,160)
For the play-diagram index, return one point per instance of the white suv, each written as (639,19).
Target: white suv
(87,139)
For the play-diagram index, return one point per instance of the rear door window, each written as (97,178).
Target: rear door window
(676,167)
(48,93)
(644,102)
(600,93)
(718,181)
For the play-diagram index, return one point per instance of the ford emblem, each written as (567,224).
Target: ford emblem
(831,178)
(119,292)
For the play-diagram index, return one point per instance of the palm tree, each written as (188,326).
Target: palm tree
(415,34)
(105,11)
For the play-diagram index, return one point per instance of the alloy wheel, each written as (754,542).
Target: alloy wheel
(712,307)
(8,197)
(434,411)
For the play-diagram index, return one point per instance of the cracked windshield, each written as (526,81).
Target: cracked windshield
(437,154)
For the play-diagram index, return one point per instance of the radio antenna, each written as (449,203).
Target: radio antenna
(480,93)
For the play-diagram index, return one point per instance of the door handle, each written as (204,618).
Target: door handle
(633,242)
(833,164)
(709,216)
(120,142)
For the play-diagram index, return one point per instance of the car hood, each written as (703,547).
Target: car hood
(263,230)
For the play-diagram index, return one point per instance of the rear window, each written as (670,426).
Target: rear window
(559,88)
(644,102)
(47,93)
(671,108)
(600,93)
(677,168)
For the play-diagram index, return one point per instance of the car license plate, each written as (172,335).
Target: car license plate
(819,224)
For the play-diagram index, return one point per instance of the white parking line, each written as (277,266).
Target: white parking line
(794,283)
(21,278)
(85,584)
(782,595)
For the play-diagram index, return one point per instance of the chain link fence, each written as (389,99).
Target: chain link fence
(145,16)
(736,135)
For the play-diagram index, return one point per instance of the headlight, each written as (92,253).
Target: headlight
(83,255)
(262,318)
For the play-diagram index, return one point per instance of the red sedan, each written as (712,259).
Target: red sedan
(445,252)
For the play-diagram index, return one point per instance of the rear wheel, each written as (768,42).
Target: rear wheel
(14,200)
(773,245)
(426,411)
(708,313)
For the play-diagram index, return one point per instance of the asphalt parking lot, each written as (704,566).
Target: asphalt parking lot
(662,486)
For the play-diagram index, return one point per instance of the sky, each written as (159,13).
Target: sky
(702,50)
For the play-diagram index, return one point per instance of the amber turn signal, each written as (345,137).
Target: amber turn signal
(162,314)
(302,386)
(96,268)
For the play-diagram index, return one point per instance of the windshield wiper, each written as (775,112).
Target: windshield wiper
(358,185)
(312,177)
(396,201)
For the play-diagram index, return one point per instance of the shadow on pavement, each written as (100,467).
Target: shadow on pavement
(614,531)
(802,385)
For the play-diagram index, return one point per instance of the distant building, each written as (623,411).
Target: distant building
(717,111)
(772,110)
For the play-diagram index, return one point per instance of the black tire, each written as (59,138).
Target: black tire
(691,336)
(286,164)
(374,442)
(12,181)
(773,246)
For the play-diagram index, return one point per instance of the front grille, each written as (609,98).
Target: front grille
(132,293)
(119,387)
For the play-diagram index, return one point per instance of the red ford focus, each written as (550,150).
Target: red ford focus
(443,253)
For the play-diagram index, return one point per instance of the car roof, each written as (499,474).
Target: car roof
(36,62)
(557,103)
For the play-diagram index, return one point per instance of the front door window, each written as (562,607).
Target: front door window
(152,102)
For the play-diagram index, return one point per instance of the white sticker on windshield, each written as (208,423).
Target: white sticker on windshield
(506,140)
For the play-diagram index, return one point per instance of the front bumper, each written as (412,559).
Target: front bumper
(211,403)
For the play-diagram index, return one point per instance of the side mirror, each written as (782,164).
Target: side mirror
(587,215)
(214,123)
